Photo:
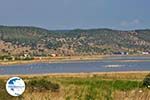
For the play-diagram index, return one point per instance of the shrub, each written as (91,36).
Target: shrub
(42,85)
(146,81)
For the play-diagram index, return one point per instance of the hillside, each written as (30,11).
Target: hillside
(41,42)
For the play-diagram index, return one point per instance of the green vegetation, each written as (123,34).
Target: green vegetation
(12,58)
(38,41)
(39,85)
(6,57)
(94,88)
(42,85)
(146,82)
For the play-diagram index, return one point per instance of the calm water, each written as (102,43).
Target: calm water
(106,65)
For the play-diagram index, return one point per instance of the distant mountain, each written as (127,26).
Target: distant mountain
(41,42)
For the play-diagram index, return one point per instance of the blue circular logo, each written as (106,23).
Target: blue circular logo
(15,86)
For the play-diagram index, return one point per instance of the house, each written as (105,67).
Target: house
(26,55)
(53,55)
(125,53)
(120,53)
(145,53)
(13,58)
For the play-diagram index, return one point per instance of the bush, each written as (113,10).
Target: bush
(8,57)
(42,85)
(146,81)
(28,58)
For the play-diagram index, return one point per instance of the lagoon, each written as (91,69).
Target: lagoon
(110,64)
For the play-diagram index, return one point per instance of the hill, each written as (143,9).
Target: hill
(41,42)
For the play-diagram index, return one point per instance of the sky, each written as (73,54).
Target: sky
(73,14)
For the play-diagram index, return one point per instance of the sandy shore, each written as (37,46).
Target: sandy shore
(71,58)
(55,59)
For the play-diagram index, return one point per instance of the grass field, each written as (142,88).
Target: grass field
(102,86)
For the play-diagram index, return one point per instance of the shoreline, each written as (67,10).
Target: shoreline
(69,59)
(119,74)
(55,59)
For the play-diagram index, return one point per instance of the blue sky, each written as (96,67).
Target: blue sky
(71,14)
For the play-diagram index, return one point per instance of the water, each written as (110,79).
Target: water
(106,65)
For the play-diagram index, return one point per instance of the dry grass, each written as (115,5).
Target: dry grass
(90,86)
(137,94)
(105,75)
